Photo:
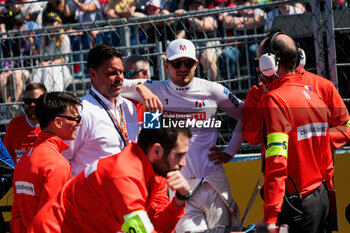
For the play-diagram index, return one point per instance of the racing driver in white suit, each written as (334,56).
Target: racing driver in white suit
(195,102)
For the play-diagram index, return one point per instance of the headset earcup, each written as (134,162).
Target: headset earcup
(301,59)
(268,64)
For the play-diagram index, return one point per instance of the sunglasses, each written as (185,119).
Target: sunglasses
(72,118)
(29,101)
(189,63)
(130,74)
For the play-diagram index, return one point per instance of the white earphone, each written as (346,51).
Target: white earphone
(268,62)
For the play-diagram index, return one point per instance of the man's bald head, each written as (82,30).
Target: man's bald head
(284,48)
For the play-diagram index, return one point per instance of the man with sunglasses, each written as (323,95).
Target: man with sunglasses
(22,131)
(135,67)
(42,171)
(184,95)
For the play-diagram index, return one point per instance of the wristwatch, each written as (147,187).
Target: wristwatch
(182,197)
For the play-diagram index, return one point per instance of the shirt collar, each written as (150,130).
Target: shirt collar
(44,136)
(31,125)
(105,100)
(177,88)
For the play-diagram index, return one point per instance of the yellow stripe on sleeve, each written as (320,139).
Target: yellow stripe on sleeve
(348,123)
(277,144)
(137,222)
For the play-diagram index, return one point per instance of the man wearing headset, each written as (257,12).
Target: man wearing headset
(252,125)
(298,156)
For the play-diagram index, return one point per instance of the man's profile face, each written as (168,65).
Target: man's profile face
(71,120)
(29,107)
(108,78)
(175,159)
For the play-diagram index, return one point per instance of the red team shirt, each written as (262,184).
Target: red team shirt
(38,176)
(19,137)
(252,123)
(297,143)
(99,198)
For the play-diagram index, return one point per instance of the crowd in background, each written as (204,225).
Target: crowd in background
(54,46)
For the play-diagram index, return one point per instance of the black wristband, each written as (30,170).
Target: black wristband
(182,197)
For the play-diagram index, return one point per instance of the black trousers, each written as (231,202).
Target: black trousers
(308,214)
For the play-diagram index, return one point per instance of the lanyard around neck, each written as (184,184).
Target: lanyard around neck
(122,130)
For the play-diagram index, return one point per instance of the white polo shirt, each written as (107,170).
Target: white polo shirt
(97,137)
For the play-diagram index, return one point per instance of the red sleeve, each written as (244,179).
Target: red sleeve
(275,164)
(339,120)
(8,141)
(163,213)
(16,222)
(252,122)
(54,177)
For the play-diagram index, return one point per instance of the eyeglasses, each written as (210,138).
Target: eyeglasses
(189,63)
(29,101)
(72,118)
(130,74)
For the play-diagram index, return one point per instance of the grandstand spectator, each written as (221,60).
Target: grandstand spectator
(282,9)
(84,11)
(157,32)
(218,3)
(109,120)
(240,23)
(22,131)
(42,171)
(201,27)
(120,9)
(15,47)
(33,10)
(54,74)
(187,97)
(12,9)
(137,66)
(57,6)
(117,195)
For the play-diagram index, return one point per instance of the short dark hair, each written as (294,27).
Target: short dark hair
(52,104)
(166,137)
(100,53)
(134,59)
(34,86)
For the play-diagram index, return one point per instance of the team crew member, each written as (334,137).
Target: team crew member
(252,123)
(137,66)
(22,131)
(115,194)
(182,97)
(109,121)
(298,156)
(42,171)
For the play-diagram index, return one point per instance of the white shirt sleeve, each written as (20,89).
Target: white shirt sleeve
(233,106)
(129,89)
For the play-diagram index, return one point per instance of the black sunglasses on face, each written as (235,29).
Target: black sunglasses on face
(72,118)
(29,101)
(130,74)
(189,63)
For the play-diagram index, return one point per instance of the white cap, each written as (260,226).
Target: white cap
(154,3)
(181,48)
